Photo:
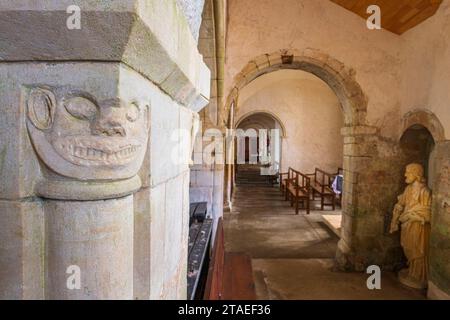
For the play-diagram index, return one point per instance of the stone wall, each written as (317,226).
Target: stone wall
(258,27)
(425,101)
(193,12)
(440,225)
(95,145)
(426,49)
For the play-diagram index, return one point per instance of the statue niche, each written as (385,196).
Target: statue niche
(81,138)
(413,213)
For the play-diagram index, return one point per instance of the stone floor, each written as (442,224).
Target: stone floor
(292,255)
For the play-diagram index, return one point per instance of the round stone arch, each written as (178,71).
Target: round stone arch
(427,119)
(338,77)
(341,80)
(268,113)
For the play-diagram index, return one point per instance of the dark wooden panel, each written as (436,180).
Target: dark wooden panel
(397,16)
(238,277)
(194,229)
(230,275)
(192,208)
(201,211)
(198,249)
(213,290)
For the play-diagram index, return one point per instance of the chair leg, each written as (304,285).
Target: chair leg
(321,202)
(334,201)
(296,205)
(307,206)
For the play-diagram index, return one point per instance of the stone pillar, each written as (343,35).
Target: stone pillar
(88,122)
(439,272)
(96,237)
(373,171)
(86,136)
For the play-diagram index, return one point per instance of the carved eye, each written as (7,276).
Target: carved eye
(41,108)
(81,108)
(133,112)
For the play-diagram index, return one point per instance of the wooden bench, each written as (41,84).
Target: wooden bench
(298,190)
(230,275)
(321,185)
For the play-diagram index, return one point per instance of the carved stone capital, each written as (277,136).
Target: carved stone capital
(88,149)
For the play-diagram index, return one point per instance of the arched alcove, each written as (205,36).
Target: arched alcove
(428,120)
(417,144)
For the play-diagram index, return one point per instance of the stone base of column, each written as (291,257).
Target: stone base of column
(344,256)
(94,238)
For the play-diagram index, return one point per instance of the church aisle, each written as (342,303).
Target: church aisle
(293,255)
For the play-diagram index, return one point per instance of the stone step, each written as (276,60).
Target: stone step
(333,221)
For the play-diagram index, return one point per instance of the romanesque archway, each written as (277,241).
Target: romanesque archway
(269,114)
(341,80)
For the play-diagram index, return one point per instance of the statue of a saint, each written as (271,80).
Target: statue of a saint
(413,213)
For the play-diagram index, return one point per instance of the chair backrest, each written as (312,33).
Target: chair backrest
(302,180)
(323,178)
(291,173)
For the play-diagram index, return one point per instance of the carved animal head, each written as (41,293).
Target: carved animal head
(79,137)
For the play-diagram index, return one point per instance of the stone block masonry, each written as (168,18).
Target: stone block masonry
(86,135)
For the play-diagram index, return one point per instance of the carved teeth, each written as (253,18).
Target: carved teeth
(93,154)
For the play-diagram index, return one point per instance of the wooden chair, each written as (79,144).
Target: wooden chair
(298,190)
(283,182)
(321,185)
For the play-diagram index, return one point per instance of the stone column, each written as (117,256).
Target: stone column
(373,171)
(356,159)
(439,272)
(87,114)
(85,133)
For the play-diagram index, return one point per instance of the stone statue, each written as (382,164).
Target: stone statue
(413,213)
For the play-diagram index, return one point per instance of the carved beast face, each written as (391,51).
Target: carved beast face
(79,137)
